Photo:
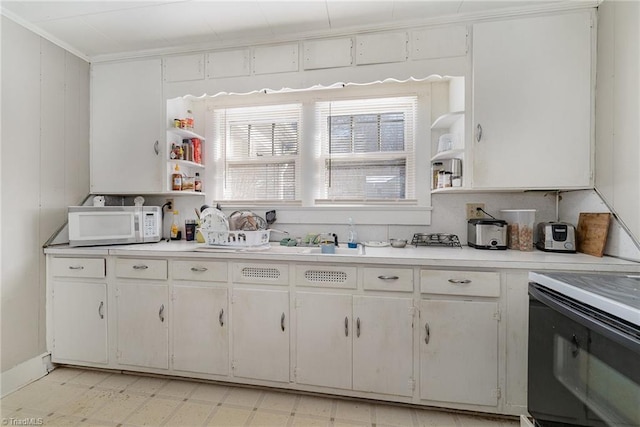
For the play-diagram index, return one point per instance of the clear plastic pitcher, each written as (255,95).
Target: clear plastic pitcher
(520,224)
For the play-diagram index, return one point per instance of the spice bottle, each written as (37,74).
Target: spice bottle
(176,179)
(197,184)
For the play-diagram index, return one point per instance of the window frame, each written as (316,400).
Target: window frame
(309,209)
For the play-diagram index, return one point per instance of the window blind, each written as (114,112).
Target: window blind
(260,151)
(366,149)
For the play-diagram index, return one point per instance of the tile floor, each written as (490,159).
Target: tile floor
(69,396)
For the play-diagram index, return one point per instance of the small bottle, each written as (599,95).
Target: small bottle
(197,184)
(352,240)
(176,179)
(189,120)
(176,234)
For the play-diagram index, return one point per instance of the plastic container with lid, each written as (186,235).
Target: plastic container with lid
(520,224)
(436,167)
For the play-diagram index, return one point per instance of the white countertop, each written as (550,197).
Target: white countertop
(410,255)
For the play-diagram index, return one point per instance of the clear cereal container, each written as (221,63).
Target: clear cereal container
(519,228)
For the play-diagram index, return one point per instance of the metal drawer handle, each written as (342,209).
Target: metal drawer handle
(282,322)
(388,277)
(459,281)
(478,132)
(100,312)
(140,267)
(346,326)
(161,313)
(358,327)
(76,267)
(199,269)
(156,146)
(427,333)
(220,319)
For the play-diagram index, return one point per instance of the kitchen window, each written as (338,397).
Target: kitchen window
(366,150)
(260,150)
(318,151)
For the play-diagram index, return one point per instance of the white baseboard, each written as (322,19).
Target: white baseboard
(25,373)
(525,421)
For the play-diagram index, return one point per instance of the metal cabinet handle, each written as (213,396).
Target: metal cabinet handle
(346,326)
(478,132)
(76,267)
(427,333)
(199,269)
(459,281)
(140,267)
(156,147)
(282,322)
(161,313)
(220,319)
(100,312)
(358,327)
(388,277)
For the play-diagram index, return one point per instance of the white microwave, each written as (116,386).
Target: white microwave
(114,225)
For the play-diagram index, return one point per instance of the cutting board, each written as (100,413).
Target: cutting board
(592,233)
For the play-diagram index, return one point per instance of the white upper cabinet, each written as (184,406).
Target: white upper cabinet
(127,127)
(532,102)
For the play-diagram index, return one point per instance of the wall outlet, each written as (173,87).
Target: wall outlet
(169,203)
(473,210)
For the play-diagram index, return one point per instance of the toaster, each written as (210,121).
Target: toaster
(487,233)
(556,237)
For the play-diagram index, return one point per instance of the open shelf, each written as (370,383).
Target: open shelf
(184,133)
(446,120)
(449,154)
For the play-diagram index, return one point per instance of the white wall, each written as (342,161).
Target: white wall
(618,110)
(45,168)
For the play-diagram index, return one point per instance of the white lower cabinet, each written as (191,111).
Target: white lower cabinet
(324,330)
(142,311)
(383,345)
(363,343)
(80,322)
(200,329)
(459,351)
(260,334)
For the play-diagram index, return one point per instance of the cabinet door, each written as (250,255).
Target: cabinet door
(459,351)
(260,328)
(79,322)
(199,319)
(127,127)
(383,345)
(532,98)
(143,338)
(324,331)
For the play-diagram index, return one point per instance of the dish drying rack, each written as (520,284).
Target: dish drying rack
(436,239)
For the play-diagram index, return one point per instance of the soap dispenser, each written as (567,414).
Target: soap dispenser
(352,240)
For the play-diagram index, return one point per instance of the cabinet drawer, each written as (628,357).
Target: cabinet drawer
(261,273)
(78,267)
(472,283)
(200,271)
(388,279)
(132,268)
(323,276)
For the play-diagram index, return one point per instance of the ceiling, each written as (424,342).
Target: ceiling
(100,30)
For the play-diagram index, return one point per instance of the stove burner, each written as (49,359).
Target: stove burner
(436,239)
